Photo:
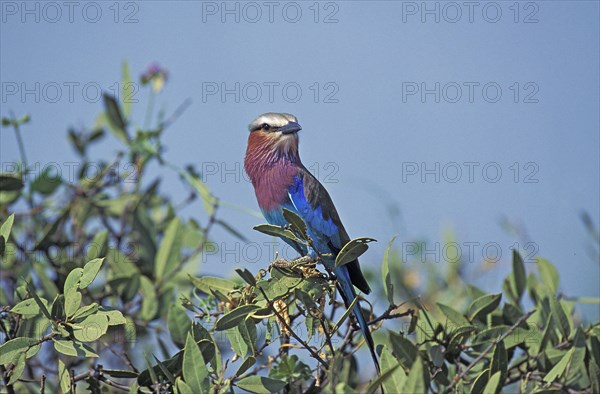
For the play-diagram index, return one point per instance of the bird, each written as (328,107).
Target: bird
(280,180)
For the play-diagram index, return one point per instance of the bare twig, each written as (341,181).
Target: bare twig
(96,373)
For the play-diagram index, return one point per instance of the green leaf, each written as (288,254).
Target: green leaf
(149,301)
(436,354)
(247,330)
(72,303)
(91,328)
(126,92)
(277,287)
(246,276)
(511,313)
(595,345)
(499,364)
(165,370)
(352,250)
(86,311)
(238,345)
(150,375)
(34,328)
(246,365)
(459,336)
(548,274)
(47,182)
(167,256)
(385,273)
(73,348)
(39,301)
(194,368)
(115,118)
(90,270)
(182,387)
(577,376)
(8,197)
(560,318)
(10,183)
(97,247)
(560,367)
(209,350)
(398,376)
(277,231)
(381,378)
(18,369)
(64,377)
(480,382)
(454,316)
(28,307)
(11,349)
(493,385)
(483,305)
(116,206)
(296,223)
(200,332)
(5,231)
(233,318)
(415,383)
(404,350)
(260,384)
(519,275)
(344,316)
(114,317)
(207,284)
(594,373)
(24,119)
(521,335)
(179,324)
(485,336)
(73,280)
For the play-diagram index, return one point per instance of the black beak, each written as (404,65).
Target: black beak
(290,128)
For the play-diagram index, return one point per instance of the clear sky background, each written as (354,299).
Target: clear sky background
(518,83)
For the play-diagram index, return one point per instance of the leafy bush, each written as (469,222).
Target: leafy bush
(99,291)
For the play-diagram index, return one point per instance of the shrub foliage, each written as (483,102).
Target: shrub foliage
(100,291)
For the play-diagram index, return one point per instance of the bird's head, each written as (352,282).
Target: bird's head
(277,125)
(277,132)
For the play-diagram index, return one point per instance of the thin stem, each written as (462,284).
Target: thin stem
(21,145)
(149,110)
(492,345)
(296,337)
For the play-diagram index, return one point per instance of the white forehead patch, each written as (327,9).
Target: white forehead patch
(273,119)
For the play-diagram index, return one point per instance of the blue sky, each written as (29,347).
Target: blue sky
(508,88)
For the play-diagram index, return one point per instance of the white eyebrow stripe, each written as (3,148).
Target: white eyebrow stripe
(272,119)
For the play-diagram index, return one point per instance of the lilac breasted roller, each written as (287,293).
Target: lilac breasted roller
(280,181)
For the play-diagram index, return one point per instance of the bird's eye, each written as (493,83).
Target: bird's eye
(266,126)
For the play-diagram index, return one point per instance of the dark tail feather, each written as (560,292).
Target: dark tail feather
(348,294)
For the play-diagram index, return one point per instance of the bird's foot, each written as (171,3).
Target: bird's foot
(290,264)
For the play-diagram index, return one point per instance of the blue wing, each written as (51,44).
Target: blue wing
(324,232)
(312,202)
